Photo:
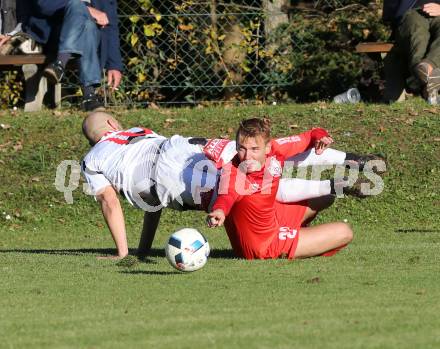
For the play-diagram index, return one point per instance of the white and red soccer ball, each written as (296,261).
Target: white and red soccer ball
(187,250)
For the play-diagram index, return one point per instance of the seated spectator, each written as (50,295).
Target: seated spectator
(416,26)
(83,29)
(10,24)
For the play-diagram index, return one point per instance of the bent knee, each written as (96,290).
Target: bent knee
(344,232)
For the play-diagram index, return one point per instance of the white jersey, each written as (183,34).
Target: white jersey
(124,160)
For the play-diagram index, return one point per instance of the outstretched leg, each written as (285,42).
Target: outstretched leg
(317,240)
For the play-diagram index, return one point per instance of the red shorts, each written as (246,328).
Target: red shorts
(289,217)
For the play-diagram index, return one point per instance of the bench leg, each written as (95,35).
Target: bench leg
(35,88)
(57,95)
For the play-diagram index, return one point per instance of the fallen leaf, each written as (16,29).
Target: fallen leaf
(18,146)
(293,126)
(4,145)
(315,280)
(5,126)
(413,113)
(35,179)
(437,139)
(431,110)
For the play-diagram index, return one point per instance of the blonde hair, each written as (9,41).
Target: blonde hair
(254,127)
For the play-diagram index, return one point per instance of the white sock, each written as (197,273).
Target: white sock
(309,158)
(294,189)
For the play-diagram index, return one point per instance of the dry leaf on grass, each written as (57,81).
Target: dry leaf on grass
(432,110)
(4,145)
(153,105)
(18,146)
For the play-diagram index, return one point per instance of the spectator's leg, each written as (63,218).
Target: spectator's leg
(433,55)
(413,37)
(80,37)
(395,75)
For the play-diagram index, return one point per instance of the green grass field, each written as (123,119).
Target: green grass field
(383,291)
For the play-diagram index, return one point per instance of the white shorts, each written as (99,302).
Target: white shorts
(183,174)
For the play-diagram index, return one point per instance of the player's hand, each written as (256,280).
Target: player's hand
(114,78)
(100,17)
(216,218)
(322,144)
(432,9)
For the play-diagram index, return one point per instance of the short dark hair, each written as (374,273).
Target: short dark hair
(254,127)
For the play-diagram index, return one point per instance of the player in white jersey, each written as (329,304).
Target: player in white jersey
(153,172)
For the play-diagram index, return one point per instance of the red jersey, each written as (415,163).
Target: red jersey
(248,201)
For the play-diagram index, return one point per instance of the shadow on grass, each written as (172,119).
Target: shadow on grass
(155,252)
(150,272)
(216,253)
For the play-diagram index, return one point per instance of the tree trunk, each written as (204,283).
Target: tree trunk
(274,15)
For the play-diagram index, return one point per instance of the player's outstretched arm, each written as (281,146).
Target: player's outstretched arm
(151,222)
(114,217)
(216,218)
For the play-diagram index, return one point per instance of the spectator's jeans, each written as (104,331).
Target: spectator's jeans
(418,37)
(80,37)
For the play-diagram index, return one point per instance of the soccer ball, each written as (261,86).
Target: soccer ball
(187,250)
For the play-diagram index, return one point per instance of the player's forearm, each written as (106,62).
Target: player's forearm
(114,218)
(224,203)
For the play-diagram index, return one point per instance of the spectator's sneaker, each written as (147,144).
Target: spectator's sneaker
(92,102)
(422,71)
(431,95)
(427,74)
(54,72)
(362,160)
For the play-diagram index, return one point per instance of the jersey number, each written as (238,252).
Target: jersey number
(286,233)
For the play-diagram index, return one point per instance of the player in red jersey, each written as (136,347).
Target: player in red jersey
(257,225)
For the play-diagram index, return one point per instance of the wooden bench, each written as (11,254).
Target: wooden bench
(36,86)
(373,47)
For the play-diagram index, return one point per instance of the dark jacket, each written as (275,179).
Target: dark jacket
(393,10)
(44,18)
